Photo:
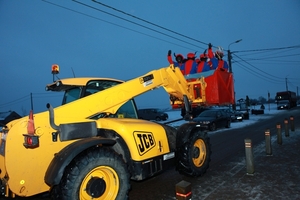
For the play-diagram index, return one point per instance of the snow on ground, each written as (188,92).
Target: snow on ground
(276,176)
(268,112)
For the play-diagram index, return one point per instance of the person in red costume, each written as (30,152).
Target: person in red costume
(216,60)
(190,65)
(222,65)
(203,65)
(212,61)
(179,60)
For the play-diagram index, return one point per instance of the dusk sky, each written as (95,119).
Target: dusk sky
(126,39)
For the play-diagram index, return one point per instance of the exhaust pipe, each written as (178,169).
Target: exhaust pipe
(51,117)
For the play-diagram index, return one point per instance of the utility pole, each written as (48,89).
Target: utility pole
(31,101)
(230,66)
(229,60)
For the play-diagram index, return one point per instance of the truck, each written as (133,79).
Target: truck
(286,100)
(94,143)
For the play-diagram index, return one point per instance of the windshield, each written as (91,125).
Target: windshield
(208,113)
(93,86)
(156,110)
(283,102)
(71,95)
(127,110)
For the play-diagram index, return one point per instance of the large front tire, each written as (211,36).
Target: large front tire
(97,174)
(194,155)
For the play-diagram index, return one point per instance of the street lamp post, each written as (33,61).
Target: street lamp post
(230,66)
(229,54)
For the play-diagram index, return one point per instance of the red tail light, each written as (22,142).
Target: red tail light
(31,141)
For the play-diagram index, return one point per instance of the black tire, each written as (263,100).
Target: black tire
(157,119)
(213,126)
(171,134)
(228,124)
(194,156)
(99,173)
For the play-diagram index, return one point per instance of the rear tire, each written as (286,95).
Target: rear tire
(194,155)
(97,174)
(228,124)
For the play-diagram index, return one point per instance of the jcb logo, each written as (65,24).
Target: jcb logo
(144,141)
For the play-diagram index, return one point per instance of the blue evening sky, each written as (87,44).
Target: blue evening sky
(126,39)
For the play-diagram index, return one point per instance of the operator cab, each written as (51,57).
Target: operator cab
(77,88)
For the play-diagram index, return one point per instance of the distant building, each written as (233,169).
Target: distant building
(8,116)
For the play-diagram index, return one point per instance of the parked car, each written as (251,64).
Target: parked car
(195,111)
(213,119)
(234,115)
(152,114)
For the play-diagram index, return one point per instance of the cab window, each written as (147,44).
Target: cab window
(98,85)
(127,110)
(71,95)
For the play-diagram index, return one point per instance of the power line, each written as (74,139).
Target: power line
(272,52)
(21,99)
(265,74)
(259,75)
(260,70)
(137,24)
(93,17)
(271,57)
(269,49)
(125,13)
(151,23)
(28,98)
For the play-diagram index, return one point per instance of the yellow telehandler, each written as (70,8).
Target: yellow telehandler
(92,145)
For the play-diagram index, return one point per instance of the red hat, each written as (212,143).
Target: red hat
(203,56)
(191,55)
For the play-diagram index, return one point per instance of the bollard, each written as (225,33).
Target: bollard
(286,125)
(268,142)
(249,157)
(292,123)
(183,190)
(279,136)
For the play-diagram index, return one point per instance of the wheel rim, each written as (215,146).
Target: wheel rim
(199,153)
(100,183)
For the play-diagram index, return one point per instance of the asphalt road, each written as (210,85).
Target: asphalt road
(228,161)
(227,178)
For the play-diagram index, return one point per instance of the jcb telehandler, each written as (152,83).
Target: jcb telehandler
(94,143)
